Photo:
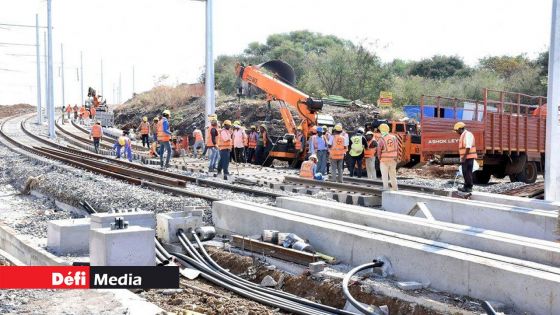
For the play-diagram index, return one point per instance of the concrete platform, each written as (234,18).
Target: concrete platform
(133,246)
(510,245)
(447,268)
(69,236)
(516,201)
(139,218)
(526,222)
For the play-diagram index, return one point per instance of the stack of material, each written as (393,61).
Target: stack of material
(337,100)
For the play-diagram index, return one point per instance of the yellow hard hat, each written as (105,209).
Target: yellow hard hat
(156,119)
(213,116)
(263,125)
(338,127)
(325,128)
(237,123)
(227,123)
(145,118)
(298,128)
(369,133)
(459,125)
(99,122)
(167,112)
(253,127)
(384,128)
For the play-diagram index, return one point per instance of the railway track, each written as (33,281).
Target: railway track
(535,190)
(15,132)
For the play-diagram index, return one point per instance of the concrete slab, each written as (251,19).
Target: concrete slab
(508,219)
(133,246)
(70,236)
(516,201)
(467,272)
(515,246)
(139,218)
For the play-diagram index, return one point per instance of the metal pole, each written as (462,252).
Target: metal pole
(62,72)
(120,89)
(39,87)
(46,74)
(552,159)
(101,88)
(133,89)
(81,78)
(52,133)
(209,86)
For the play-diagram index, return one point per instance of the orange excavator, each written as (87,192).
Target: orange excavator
(277,78)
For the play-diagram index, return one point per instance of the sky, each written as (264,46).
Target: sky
(167,37)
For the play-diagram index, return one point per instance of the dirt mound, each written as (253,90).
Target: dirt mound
(16,109)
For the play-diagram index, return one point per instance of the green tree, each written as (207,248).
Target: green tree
(504,66)
(437,67)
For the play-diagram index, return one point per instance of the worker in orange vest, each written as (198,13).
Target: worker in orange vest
(299,140)
(93,112)
(68,111)
(198,142)
(81,115)
(309,169)
(337,149)
(369,155)
(387,150)
(144,129)
(153,129)
(86,116)
(97,134)
(467,155)
(252,144)
(225,143)
(164,136)
(212,145)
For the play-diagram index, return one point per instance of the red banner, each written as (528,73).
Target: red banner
(43,277)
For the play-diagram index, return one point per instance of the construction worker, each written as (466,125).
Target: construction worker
(263,145)
(144,129)
(153,129)
(75,111)
(467,155)
(318,146)
(163,137)
(369,155)
(120,143)
(81,115)
(93,112)
(68,111)
(337,149)
(211,145)
(252,144)
(239,137)
(225,144)
(299,140)
(198,142)
(309,169)
(356,152)
(127,146)
(184,145)
(387,151)
(97,134)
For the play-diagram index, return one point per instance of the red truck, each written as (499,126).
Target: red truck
(509,130)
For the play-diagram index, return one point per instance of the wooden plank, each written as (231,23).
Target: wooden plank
(273,250)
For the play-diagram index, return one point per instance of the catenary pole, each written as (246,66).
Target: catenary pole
(50,111)
(209,78)
(62,72)
(39,87)
(552,156)
(81,78)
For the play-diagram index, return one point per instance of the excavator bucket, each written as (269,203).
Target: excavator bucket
(281,69)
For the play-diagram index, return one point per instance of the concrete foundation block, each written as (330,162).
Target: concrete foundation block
(139,218)
(316,267)
(516,201)
(70,236)
(133,246)
(169,223)
(409,285)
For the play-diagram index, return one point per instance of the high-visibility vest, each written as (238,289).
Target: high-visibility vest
(356,146)
(96,131)
(389,150)
(264,138)
(75,108)
(161,135)
(209,143)
(224,144)
(122,140)
(338,148)
(369,152)
(144,128)
(197,134)
(298,141)
(86,114)
(68,109)
(245,139)
(253,140)
(463,146)
(315,140)
(306,170)
(93,111)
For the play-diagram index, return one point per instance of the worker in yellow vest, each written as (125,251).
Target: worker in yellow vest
(309,169)
(387,150)
(97,134)
(337,150)
(225,143)
(467,155)
(144,129)
(369,155)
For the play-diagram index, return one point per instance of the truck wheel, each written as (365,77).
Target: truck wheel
(481,177)
(528,175)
